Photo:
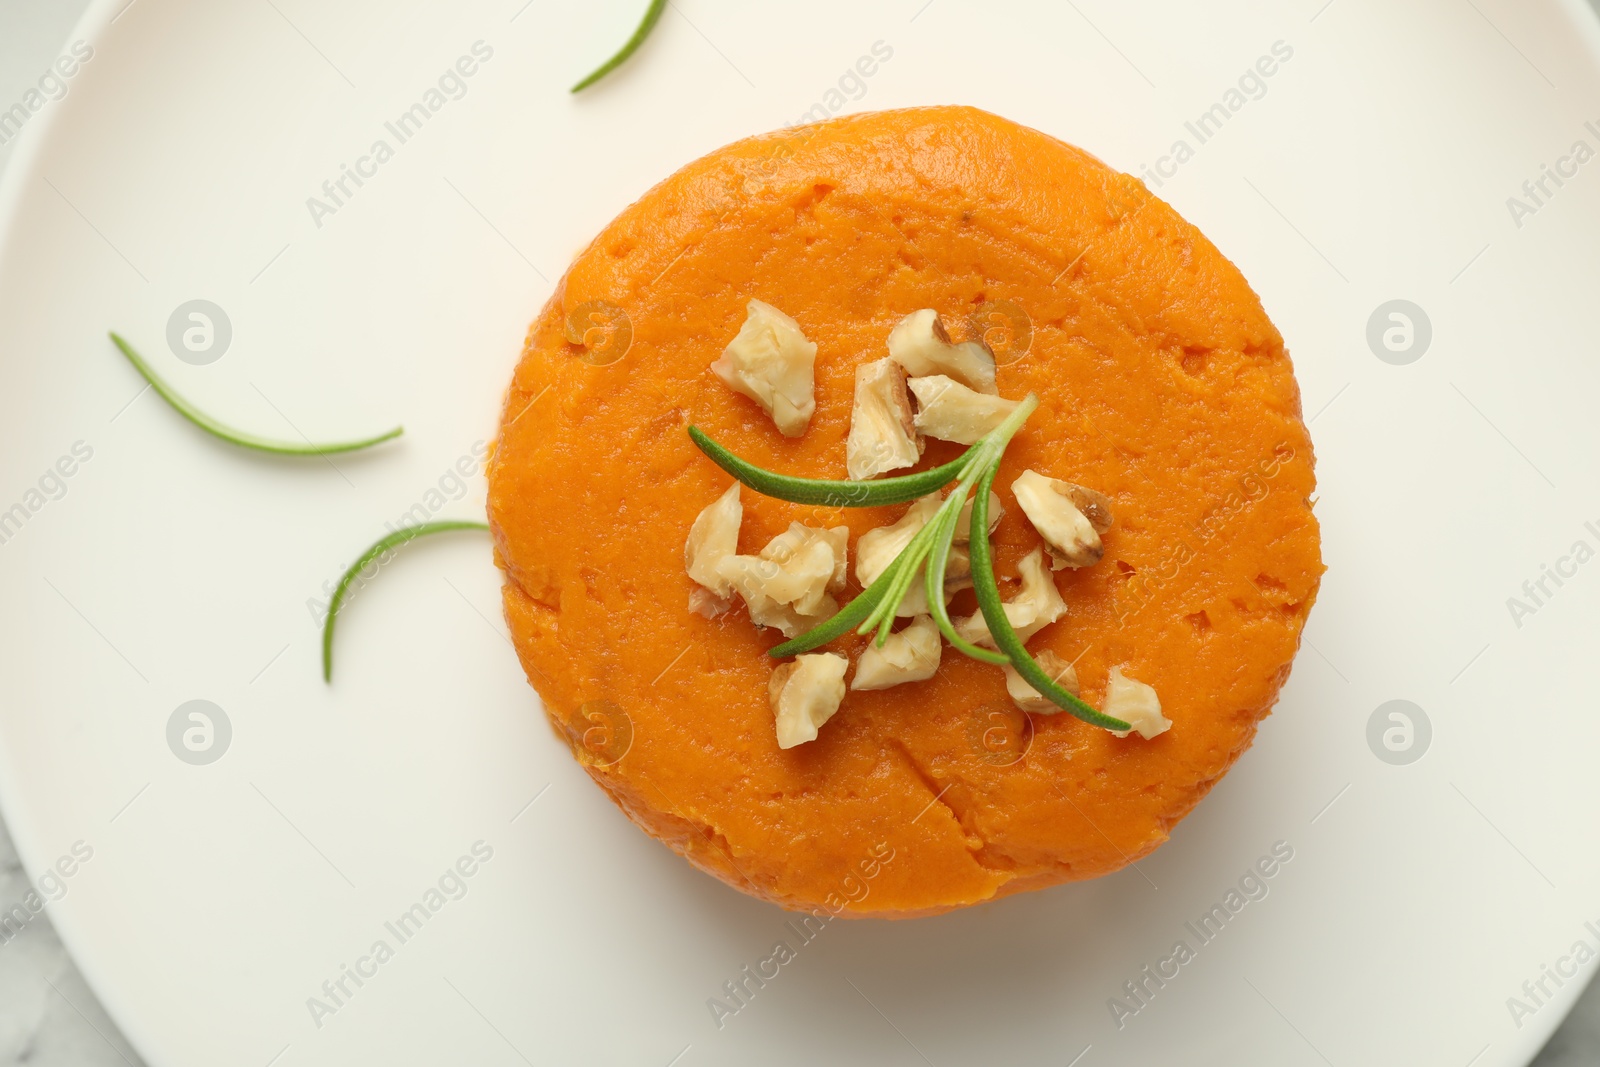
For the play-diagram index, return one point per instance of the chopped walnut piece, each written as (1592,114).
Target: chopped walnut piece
(799,538)
(1030,699)
(1037,605)
(713,538)
(957,571)
(771,362)
(921,345)
(1135,704)
(748,579)
(883,436)
(787,585)
(997,511)
(950,411)
(804,694)
(1070,518)
(911,655)
(876,549)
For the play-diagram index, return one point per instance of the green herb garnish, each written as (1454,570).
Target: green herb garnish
(379,547)
(833,494)
(994,613)
(934,573)
(240,437)
(929,550)
(651,16)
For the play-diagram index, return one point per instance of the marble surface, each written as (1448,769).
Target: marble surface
(48,1016)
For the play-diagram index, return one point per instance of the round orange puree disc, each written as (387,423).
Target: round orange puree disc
(1163,385)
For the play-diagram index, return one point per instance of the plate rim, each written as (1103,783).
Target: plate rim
(20,172)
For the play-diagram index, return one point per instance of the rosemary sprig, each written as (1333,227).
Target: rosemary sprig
(877,605)
(651,16)
(880,609)
(929,549)
(240,437)
(833,494)
(379,547)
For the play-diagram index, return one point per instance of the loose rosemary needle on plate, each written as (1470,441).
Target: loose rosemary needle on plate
(243,438)
(652,15)
(378,548)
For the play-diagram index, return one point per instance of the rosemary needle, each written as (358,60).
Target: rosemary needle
(836,494)
(379,547)
(241,438)
(994,613)
(938,563)
(651,16)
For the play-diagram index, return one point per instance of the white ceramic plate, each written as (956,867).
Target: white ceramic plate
(1373,165)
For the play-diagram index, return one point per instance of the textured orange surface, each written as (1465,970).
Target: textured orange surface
(1163,384)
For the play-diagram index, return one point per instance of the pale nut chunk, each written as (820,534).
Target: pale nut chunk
(877,549)
(787,585)
(1036,606)
(1070,518)
(921,345)
(1135,704)
(883,436)
(749,579)
(784,618)
(713,538)
(801,578)
(1096,506)
(771,362)
(804,694)
(911,655)
(703,601)
(957,571)
(997,512)
(800,538)
(1030,699)
(950,411)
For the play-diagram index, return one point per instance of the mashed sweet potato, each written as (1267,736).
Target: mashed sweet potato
(1163,384)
